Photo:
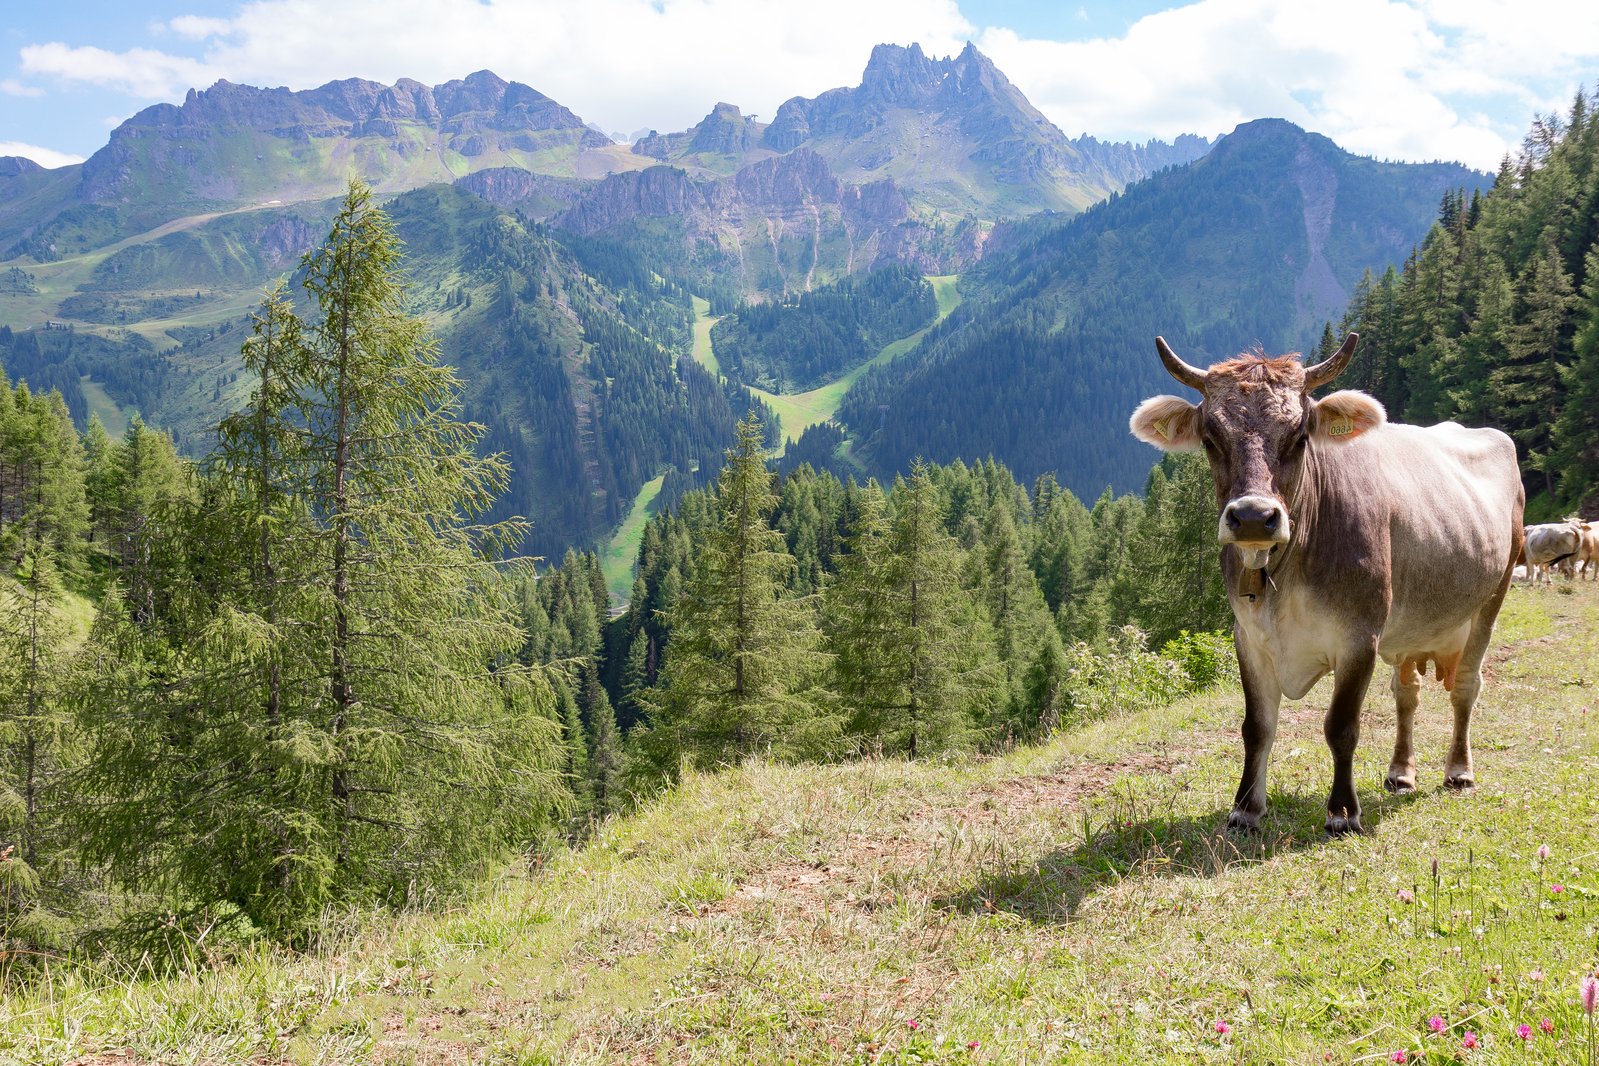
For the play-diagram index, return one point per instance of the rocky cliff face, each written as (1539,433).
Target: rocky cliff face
(13,166)
(724,132)
(227,141)
(781,225)
(959,138)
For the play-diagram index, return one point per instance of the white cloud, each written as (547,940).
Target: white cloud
(1418,80)
(45,157)
(1403,79)
(198,28)
(141,72)
(624,64)
(13,87)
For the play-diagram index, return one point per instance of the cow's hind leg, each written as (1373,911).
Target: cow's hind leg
(1406,686)
(1342,729)
(1468,683)
(1262,699)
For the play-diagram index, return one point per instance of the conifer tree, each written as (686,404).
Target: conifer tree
(743,658)
(341,716)
(916,667)
(1576,433)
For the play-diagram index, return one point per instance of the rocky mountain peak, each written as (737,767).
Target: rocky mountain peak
(13,166)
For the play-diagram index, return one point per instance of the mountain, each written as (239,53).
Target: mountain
(954,134)
(557,267)
(236,146)
(780,226)
(1262,241)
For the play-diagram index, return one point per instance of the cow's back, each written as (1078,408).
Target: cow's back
(1451,500)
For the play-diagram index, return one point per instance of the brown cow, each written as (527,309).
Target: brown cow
(1345,538)
(1588,555)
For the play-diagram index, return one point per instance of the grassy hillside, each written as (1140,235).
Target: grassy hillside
(1075,902)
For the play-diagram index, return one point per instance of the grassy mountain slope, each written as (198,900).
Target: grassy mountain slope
(1074,902)
(1259,242)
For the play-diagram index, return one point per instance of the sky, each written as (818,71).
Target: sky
(1411,80)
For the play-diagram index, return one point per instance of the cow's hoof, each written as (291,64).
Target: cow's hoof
(1399,785)
(1460,782)
(1243,822)
(1343,825)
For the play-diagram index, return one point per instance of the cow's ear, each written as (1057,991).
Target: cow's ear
(1170,423)
(1345,415)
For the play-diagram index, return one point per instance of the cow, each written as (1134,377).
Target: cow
(1345,538)
(1588,554)
(1551,545)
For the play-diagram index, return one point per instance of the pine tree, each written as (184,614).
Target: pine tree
(340,714)
(1576,432)
(916,667)
(744,652)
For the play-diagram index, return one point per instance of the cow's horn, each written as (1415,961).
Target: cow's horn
(1191,376)
(1328,369)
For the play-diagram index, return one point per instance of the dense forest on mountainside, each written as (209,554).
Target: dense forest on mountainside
(798,344)
(580,383)
(1261,241)
(1494,317)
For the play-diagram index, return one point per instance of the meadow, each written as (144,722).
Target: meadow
(1075,901)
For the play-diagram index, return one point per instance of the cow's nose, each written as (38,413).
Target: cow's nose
(1254,519)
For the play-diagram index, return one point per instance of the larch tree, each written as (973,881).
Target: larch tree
(343,671)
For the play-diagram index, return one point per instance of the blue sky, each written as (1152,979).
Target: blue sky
(1397,79)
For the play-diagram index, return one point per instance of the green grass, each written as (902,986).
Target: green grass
(621,551)
(1074,902)
(800,411)
(703,353)
(112,416)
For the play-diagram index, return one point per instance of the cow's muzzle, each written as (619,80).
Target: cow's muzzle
(1254,525)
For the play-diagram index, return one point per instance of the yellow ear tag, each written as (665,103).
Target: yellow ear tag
(1340,427)
(1163,427)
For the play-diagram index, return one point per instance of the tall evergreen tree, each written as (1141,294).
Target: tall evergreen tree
(744,653)
(340,714)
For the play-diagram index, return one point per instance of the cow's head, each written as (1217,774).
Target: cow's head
(1254,424)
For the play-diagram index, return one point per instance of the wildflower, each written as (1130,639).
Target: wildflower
(1524,1031)
(1590,994)
(1547,1025)
(1470,1040)
(913,1024)
(1536,975)
(1404,895)
(1557,888)
(1222,1028)
(1543,852)
(973,1045)
(1436,1024)
(1398,1056)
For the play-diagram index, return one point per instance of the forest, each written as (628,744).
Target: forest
(799,344)
(310,672)
(1494,318)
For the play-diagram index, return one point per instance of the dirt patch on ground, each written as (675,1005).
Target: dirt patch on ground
(1065,789)
(860,870)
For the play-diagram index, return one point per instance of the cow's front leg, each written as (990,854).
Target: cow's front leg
(1262,698)
(1342,729)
